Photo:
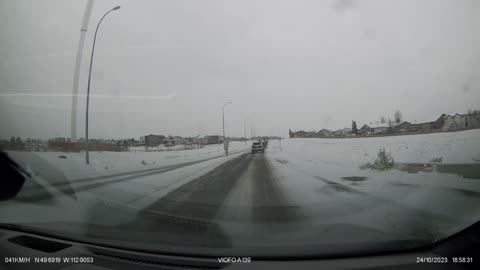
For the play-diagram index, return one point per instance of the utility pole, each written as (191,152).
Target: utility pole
(225,143)
(76,74)
(245,130)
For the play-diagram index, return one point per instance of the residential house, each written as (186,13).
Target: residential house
(212,139)
(346,131)
(197,140)
(365,130)
(473,120)
(169,141)
(457,121)
(337,133)
(429,126)
(422,127)
(342,132)
(403,127)
(380,130)
(325,132)
(179,140)
(439,123)
(154,140)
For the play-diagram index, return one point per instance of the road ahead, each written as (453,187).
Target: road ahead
(281,196)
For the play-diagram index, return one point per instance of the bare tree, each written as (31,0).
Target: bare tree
(383,120)
(398,117)
(390,122)
(470,111)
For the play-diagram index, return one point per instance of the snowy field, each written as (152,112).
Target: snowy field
(337,158)
(300,163)
(453,147)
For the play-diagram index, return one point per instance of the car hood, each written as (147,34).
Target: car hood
(212,240)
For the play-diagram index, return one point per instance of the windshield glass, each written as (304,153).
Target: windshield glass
(261,128)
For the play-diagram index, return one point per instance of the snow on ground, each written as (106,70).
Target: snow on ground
(303,165)
(306,175)
(132,195)
(336,158)
(164,148)
(107,163)
(135,193)
(453,147)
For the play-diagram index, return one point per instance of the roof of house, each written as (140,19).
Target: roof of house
(453,115)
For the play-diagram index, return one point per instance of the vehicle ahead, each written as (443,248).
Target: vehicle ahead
(258,147)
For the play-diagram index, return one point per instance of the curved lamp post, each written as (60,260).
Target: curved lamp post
(87,159)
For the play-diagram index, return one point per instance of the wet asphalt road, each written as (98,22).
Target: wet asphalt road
(243,188)
(242,191)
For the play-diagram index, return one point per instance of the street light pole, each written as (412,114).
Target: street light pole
(223,125)
(245,130)
(87,158)
(76,75)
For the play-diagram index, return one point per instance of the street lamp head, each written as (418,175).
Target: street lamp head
(225,104)
(116,8)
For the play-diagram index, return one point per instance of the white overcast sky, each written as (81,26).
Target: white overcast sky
(166,67)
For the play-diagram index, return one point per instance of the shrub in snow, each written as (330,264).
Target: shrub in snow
(437,160)
(384,161)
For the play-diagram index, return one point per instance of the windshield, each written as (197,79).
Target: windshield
(260,128)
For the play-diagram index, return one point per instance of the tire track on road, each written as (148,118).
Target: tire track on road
(201,198)
(41,193)
(270,205)
(186,215)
